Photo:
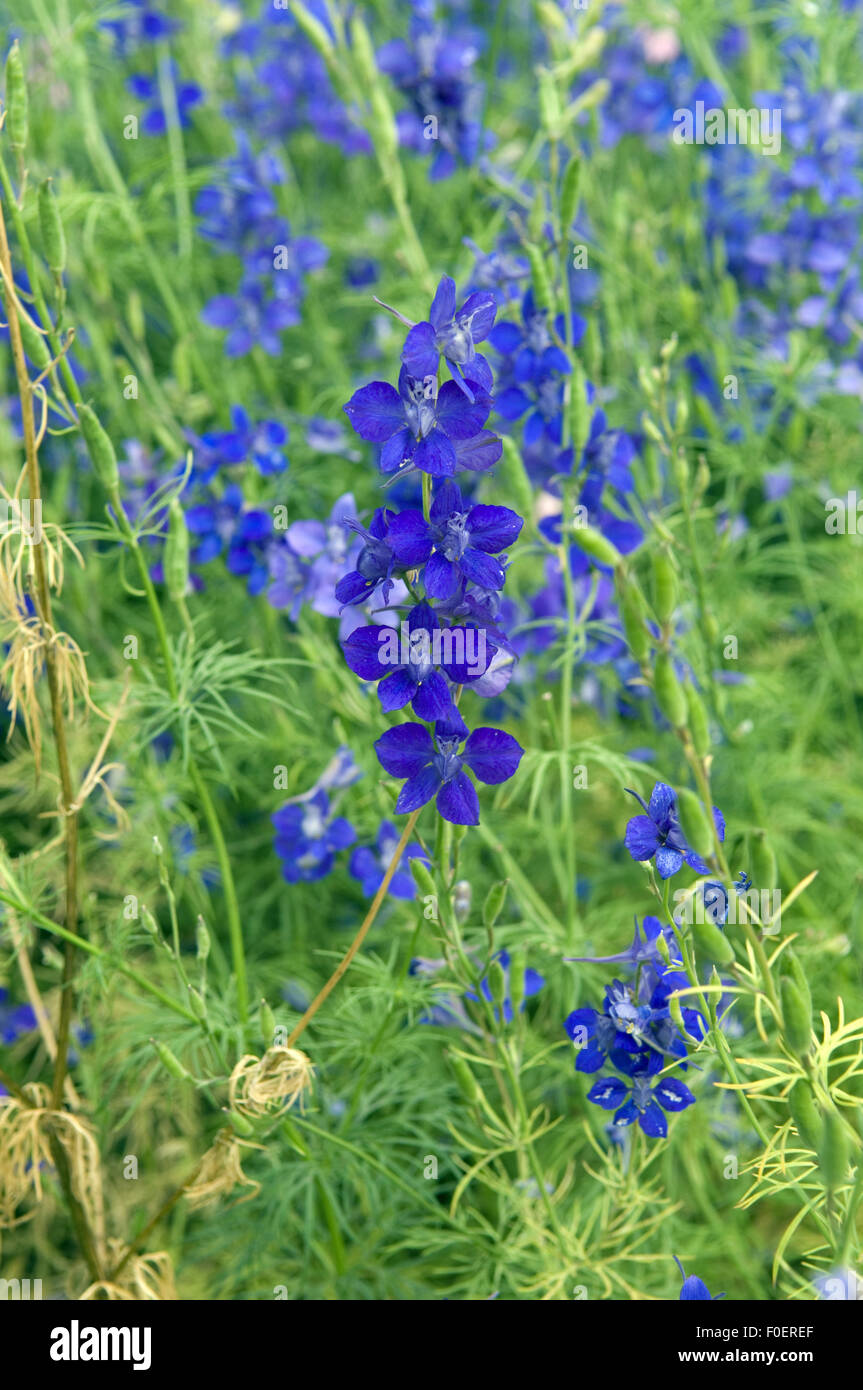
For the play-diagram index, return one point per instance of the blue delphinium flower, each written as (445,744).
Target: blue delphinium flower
(643,1098)
(15,1019)
(658,835)
(308,838)
(450,1011)
(418,425)
(695,1288)
(436,768)
(369,865)
(453,334)
(139,23)
(458,542)
(146,89)
(416,674)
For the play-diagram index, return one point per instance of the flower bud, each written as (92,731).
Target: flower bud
(550,111)
(462,898)
(513,477)
(202,940)
(668,691)
(240,1125)
(267,1022)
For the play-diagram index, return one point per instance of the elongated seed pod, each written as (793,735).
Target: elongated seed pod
(712,943)
(597,545)
(422,878)
(833,1150)
(570,194)
(497,982)
(633,614)
(51,229)
(762,861)
(539,278)
(467,1082)
(175,562)
(267,1023)
(35,343)
(493,905)
(513,477)
(796,1017)
(664,586)
(17,102)
(517,967)
(699,727)
(697,824)
(170,1062)
(100,449)
(807,1120)
(668,691)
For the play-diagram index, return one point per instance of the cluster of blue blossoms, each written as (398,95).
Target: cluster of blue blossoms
(634,1033)
(449,554)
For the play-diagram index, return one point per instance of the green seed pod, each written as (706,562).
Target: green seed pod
(517,967)
(175,561)
(196,1000)
(697,823)
(385,126)
(513,478)
(652,430)
(699,727)
(597,546)
(364,52)
(539,278)
(35,343)
(569,195)
(422,878)
(833,1150)
(798,975)
(762,861)
(467,1082)
(313,30)
(497,982)
(100,449)
(267,1022)
(550,111)
(16,100)
(579,411)
(202,940)
(240,1125)
(712,943)
(170,1062)
(634,617)
(796,1018)
(804,1113)
(664,586)
(51,229)
(493,905)
(149,923)
(668,691)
